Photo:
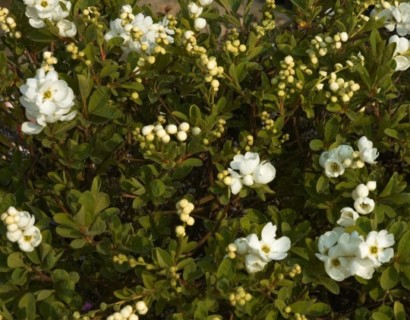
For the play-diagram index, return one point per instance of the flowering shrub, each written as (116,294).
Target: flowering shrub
(215,164)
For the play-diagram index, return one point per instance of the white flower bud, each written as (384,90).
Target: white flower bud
(188,34)
(182,136)
(14,236)
(118,316)
(161,133)
(371,185)
(205,2)
(133,317)
(190,221)
(344,36)
(4,216)
(171,129)
(141,306)
(126,311)
(180,232)
(196,131)
(12,227)
(147,130)
(183,203)
(334,87)
(184,126)
(319,86)
(9,220)
(227,181)
(166,139)
(199,24)
(184,217)
(247,180)
(12,211)
(362,191)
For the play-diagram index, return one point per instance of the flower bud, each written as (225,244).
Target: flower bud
(184,126)
(199,24)
(371,185)
(182,136)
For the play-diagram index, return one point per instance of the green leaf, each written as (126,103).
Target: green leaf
(85,86)
(399,312)
(226,269)
(380,316)
(389,278)
(330,285)
(26,307)
(43,294)
(403,249)
(316,145)
(156,188)
(332,128)
(15,260)
(163,258)
(318,309)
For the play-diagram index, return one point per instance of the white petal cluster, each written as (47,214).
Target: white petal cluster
(130,313)
(362,204)
(53,10)
(246,170)
(47,100)
(401,53)
(139,32)
(21,229)
(335,161)
(195,10)
(397,17)
(258,253)
(348,254)
(184,209)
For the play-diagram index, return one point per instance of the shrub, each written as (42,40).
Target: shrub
(208,165)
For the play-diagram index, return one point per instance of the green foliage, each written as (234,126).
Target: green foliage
(104,195)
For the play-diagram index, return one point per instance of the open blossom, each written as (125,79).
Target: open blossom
(39,10)
(367,152)
(66,28)
(401,54)
(269,248)
(30,239)
(253,263)
(251,171)
(139,33)
(377,247)
(397,17)
(47,100)
(364,205)
(347,217)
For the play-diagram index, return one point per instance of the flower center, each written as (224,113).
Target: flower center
(44,3)
(27,238)
(373,250)
(335,262)
(334,166)
(364,206)
(265,248)
(47,95)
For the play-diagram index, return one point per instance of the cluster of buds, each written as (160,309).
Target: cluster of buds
(75,52)
(158,133)
(192,46)
(285,81)
(338,89)
(285,137)
(336,160)
(129,312)
(184,209)
(233,45)
(195,11)
(239,297)
(249,140)
(8,24)
(21,229)
(212,71)
(362,204)
(122,258)
(294,271)
(48,61)
(267,122)
(91,14)
(219,129)
(268,22)
(321,45)
(226,179)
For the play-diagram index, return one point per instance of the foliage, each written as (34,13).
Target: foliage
(104,196)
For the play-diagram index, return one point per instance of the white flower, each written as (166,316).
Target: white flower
(328,240)
(199,24)
(39,10)
(401,53)
(333,168)
(376,247)
(236,184)
(337,266)
(205,2)
(47,100)
(254,263)
(245,164)
(241,246)
(30,239)
(364,205)
(66,28)
(348,217)
(362,267)
(269,248)
(361,191)
(367,152)
(248,180)
(264,173)
(402,16)
(344,152)
(194,10)
(26,220)
(14,236)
